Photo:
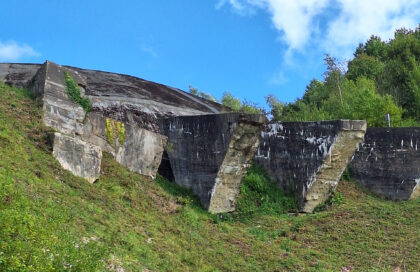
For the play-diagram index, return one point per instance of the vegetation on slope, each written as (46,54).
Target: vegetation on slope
(260,195)
(53,221)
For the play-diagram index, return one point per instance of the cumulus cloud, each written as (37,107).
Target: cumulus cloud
(345,22)
(359,19)
(12,51)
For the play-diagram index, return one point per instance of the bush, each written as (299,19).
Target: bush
(261,195)
(73,92)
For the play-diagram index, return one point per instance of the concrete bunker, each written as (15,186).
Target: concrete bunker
(211,153)
(387,163)
(138,148)
(308,158)
(224,146)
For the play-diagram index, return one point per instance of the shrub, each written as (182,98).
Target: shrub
(260,194)
(73,92)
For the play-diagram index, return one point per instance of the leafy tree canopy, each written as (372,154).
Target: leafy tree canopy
(383,78)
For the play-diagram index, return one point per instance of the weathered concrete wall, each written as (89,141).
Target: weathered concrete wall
(135,98)
(18,74)
(388,162)
(138,97)
(135,102)
(60,112)
(308,158)
(79,157)
(140,150)
(211,154)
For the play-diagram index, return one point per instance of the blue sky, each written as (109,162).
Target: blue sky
(250,48)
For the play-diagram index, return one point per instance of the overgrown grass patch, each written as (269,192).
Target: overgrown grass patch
(53,221)
(259,196)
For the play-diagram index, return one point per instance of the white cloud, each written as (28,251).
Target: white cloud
(359,19)
(353,22)
(148,50)
(294,19)
(278,79)
(238,6)
(235,4)
(12,51)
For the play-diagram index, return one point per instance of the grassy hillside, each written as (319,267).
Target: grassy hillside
(53,221)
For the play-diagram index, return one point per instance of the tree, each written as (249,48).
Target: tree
(315,93)
(373,47)
(232,102)
(335,70)
(383,78)
(235,104)
(193,90)
(251,108)
(276,107)
(365,66)
(204,95)
(363,102)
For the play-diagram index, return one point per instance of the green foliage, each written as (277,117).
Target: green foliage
(276,107)
(183,195)
(73,92)
(374,47)
(110,136)
(114,129)
(235,104)
(384,77)
(204,95)
(232,102)
(260,195)
(251,108)
(121,132)
(394,66)
(337,198)
(315,93)
(365,66)
(360,101)
(169,146)
(193,90)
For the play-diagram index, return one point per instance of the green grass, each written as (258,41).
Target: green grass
(259,195)
(53,221)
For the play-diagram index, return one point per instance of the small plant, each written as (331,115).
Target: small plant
(110,137)
(261,195)
(114,129)
(347,174)
(121,132)
(73,92)
(336,198)
(169,147)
